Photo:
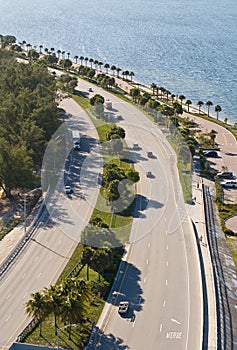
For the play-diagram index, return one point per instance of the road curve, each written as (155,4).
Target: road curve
(161,278)
(42,262)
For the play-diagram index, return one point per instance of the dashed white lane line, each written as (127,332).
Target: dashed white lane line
(51,257)
(166,282)
(39,275)
(23,276)
(167,247)
(144,280)
(161,327)
(149,244)
(167,263)
(164,303)
(9,295)
(147,261)
(7,318)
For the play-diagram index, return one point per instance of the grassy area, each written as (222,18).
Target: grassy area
(121,223)
(184,168)
(232,244)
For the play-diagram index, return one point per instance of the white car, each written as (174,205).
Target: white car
(123,307)
(229,184)
(68,189)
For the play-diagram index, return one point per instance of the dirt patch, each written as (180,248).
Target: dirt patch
(17,209)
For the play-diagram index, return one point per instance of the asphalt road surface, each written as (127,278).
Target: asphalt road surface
(42,262)
(161,278)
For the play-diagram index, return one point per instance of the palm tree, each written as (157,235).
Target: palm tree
(81,59)
(199,104)
(86,60)
(118,70)
(72,310)
(36,307)
(181,97)
(91,61)
(54,301)
(96,62)
(188,102)
(153,87)
(106,67)
(52,49)
(41,47)
(87,255)
(58,52)
(63,54)
(217,110)
(113,68)
(100,64)
(76,58)
(46,50)
(172,97)
(131,75)
(208,104)
(28,46)
(68,55)
(24,43)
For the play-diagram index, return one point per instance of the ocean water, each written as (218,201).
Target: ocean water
(187,46)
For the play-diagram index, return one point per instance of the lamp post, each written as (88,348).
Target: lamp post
(59,329)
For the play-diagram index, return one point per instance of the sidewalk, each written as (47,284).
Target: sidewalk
(209,310)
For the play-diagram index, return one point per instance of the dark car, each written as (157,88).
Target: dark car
(226,175)
(210,153)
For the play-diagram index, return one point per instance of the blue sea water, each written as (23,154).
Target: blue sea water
(187,46)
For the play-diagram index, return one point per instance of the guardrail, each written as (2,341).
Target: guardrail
(14,254)
(224,317)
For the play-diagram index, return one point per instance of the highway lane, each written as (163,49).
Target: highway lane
(42,261)
(162,278)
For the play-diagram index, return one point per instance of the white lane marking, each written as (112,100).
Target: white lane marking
(164,219)
(39,275)
(175,321)
(167,263)
(166,282)
(7,318)
(23,276)
(25,296)
(149,244)
(166,232)
(164,303)
(147,261)
(161,327)
(167,247)
(144,280)
(51,257)
(36,258)
(9,295)
(59,242)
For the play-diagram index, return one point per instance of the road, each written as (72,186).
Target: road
(161,278)
(53,243)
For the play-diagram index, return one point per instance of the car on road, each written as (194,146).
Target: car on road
(229,184)
(210,153)
(68,189)
(148,174)
(149,154)
(90,89)
(226,175)
(135,146)
(123,307)
(120,117)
